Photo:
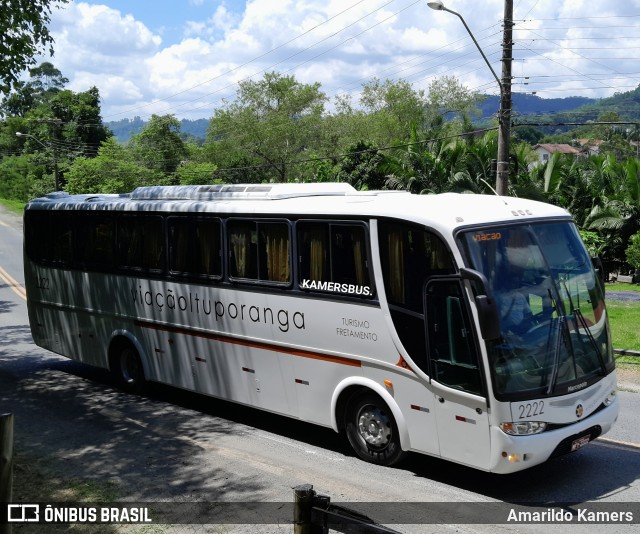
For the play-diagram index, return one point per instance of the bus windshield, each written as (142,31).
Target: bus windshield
(554,330)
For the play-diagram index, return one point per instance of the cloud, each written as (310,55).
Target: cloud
(103,31)
(98,46)
(217,44)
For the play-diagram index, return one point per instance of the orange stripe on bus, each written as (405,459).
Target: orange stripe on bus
(252,344)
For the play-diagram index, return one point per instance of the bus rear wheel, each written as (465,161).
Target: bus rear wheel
(128,370)
(372,431)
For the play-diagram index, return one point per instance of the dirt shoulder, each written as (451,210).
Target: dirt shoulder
(629,377)
(11,218)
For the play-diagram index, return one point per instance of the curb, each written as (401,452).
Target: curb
(624,352)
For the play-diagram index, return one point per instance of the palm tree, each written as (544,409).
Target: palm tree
(417,167)
(618,216)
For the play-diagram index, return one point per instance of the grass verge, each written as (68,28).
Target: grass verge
(13,205)
(36,480)
(624,318)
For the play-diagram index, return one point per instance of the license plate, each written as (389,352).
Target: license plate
(580,442)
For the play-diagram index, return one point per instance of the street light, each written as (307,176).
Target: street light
(439,6)
(55,156)
(20,134)
(504,116)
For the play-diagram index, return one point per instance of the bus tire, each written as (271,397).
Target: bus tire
(371,429)
(128,370)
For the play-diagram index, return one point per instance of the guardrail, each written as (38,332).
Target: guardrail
(625,352)
(314,514)
(623,278)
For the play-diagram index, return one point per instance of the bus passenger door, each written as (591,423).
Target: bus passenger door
(457,382)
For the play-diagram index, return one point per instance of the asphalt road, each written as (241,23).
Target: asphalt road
(625,296)
(178,447)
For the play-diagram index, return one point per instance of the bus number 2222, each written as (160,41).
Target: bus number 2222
(531,409)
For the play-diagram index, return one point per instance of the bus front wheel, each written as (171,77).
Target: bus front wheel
(128,369)
(372,430)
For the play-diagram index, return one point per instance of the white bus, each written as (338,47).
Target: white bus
(471,328)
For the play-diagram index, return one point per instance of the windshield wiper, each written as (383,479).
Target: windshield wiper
(578,313)
(556,355)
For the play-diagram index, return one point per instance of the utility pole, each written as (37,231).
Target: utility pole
(504,117)
(54,128)
(504,114)
(54,149)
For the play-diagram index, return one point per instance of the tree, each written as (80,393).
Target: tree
(75,122)
(20,101)
(113,170)
(361,167)
(633,251)
(594,242)
(25,35)
(46,78)
(419,169)
(394,109)
(192,173)
(447,95)
(272,123)
(45,81)
(528,134)
(617,215)
(159,146)
(19,177)
(61,125)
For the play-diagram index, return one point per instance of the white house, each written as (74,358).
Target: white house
(545,150)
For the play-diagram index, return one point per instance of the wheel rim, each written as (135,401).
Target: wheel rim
(129,367)
(374,426)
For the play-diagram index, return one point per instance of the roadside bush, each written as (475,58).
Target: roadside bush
(17,178)
(633,251)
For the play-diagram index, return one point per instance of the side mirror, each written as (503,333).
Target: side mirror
(489,317)
(485,303)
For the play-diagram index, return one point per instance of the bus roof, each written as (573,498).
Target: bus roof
(446,210)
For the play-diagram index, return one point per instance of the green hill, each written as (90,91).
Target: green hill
(124,129)
(556,112)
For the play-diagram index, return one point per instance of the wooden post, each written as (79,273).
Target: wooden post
(6,464)
(303,502)
(504,120)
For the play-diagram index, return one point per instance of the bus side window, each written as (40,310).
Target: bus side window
(349,255)
(50,237)
(179,254)
(242,244)
(195,247)
(209,247)
(410,255)
(313,248)
(274,252)
(95,242)
(141,243)
(451,344)
(260,251)
(333,252)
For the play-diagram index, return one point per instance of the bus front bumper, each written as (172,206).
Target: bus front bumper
(515,453)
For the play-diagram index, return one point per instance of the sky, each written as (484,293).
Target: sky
(187,57)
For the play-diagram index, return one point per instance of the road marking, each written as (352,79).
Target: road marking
(322,453)
(616,443)
(13,284)
(4,224)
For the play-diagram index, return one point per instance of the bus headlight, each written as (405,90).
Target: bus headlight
(523,428)
(610,398)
